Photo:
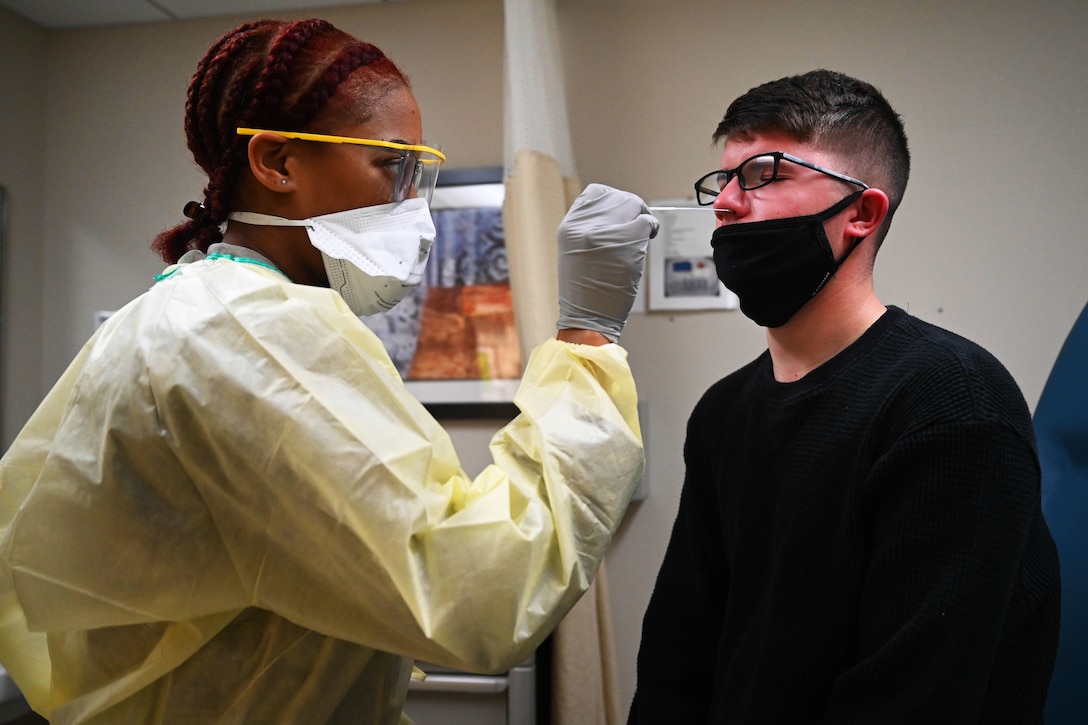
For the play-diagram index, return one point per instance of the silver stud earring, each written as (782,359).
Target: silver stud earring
(283,181)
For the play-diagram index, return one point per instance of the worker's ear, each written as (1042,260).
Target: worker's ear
(268,154)
(869,213)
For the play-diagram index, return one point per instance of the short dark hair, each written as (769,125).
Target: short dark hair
(835,113)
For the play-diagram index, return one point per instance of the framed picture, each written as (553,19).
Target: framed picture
(453,339)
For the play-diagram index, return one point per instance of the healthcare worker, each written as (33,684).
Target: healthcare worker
(229,509)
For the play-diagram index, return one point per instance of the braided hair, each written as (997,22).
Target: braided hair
(275,75)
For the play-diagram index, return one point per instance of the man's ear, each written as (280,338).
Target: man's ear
(268,153)
(869,214)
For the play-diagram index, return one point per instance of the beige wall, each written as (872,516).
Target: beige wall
(989,241)
(23,84)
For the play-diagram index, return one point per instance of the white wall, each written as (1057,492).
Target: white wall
(989,241)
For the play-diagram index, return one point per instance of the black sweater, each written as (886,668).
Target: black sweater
(865,545)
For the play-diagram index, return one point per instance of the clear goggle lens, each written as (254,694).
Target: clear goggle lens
(416,174)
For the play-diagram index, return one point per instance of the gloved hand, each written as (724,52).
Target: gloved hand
(602,248)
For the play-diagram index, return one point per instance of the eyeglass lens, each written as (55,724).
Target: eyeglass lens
(758,171)
(751,174)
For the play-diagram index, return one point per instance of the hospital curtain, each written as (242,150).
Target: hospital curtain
(541,182)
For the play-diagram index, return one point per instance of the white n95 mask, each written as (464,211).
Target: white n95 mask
(374,256)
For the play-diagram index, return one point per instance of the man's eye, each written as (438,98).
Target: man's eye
(760,172)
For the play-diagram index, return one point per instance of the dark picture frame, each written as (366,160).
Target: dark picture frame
(3,329)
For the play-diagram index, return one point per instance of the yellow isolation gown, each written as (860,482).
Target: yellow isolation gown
(229,509)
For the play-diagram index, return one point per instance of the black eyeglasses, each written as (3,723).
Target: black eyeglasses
(755,172)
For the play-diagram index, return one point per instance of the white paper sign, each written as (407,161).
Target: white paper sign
(680,264)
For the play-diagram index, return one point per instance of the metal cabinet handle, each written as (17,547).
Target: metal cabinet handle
(472,684)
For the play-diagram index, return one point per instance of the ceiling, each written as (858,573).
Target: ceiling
(88,13)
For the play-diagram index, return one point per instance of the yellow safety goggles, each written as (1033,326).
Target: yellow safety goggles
(416,174)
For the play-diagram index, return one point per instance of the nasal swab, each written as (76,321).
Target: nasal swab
(679,208)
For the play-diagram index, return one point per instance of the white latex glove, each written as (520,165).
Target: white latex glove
(602,248)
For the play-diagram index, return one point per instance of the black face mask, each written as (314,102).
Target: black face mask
(776,266)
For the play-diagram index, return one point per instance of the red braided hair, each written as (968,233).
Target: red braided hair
(275,75)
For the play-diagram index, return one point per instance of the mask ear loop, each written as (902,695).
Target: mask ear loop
(824,216)
(832,212)
(267,220)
